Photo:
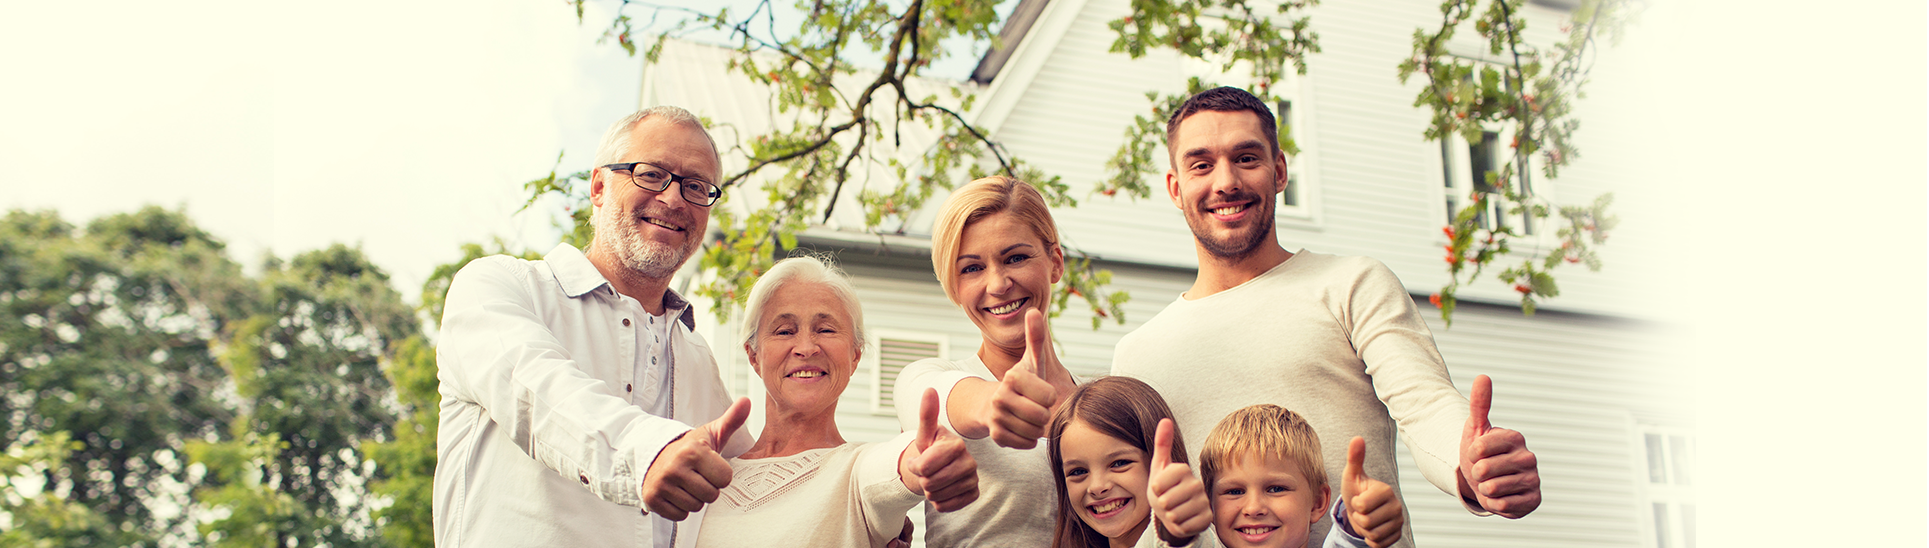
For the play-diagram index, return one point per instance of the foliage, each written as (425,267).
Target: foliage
(841,119)
(36,516)
(109,335)
(1235,36)
(144,344)
(1530,92)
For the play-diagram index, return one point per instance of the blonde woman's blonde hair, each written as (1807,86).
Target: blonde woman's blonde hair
(979,199)
(1263,431)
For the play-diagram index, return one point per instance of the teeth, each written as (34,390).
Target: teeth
(1255,529)
(662,224)
(1103,508)
(807,374)
(1009,308)
(1228,210)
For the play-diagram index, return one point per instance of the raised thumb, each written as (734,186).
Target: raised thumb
(1479,404)
(1038,340)
(1355,473)
(727,425)
(1162,446)
(927,419)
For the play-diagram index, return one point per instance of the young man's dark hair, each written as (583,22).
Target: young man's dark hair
(1224,99)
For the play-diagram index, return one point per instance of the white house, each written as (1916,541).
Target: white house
(1588,379)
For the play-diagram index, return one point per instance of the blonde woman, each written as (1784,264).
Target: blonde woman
(995,251)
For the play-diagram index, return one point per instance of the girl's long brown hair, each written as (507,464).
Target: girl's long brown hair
(1121,407)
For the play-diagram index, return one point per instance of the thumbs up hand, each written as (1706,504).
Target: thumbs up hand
(1018,412)
(1497,471)
(689,473)
(1178,497)
(936,464)
(1371,506)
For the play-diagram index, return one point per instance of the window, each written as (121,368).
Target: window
(1669,480)
(1466,166)
(893,351)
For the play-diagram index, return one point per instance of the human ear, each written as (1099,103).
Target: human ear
(1172,187)
(1057,255)
(597,178)
(1325,499)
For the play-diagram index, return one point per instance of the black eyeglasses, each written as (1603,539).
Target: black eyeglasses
(656,179)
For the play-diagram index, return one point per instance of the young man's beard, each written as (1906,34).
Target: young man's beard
(1235,247)
(647,258)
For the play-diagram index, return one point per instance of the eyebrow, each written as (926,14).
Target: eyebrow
(1006,250)
(1206,151)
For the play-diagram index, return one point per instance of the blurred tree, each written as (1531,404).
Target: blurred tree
(308,368)
(108,334)
(172,370)
(36,516)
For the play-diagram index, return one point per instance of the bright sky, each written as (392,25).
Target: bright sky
(1794,133)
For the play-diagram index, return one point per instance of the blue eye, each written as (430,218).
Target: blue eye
(1017,258)
(1074,472)
(970,268)
(1234,491)
(1276,489)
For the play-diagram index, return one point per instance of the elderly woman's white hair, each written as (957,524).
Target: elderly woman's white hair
(806,269)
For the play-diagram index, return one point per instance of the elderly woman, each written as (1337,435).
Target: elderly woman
(995,251)
(801,484)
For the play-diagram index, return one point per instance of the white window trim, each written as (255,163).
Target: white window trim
(1542,238)
(872,361)
(1649,493)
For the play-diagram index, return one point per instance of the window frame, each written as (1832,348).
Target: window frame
(1677,500)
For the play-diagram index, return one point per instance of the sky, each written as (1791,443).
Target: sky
(1794,137)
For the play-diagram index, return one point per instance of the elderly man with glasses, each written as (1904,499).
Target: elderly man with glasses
(569,384)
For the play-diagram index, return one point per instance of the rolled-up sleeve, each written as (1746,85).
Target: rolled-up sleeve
(496,353)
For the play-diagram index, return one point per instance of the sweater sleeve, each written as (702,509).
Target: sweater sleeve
(885,498)
(1409,376)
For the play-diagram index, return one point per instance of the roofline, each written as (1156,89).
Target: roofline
(1013,32)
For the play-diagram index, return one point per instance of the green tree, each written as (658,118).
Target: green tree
(803,166)
(109,336)
(172,387)
(36,516)
(308,367)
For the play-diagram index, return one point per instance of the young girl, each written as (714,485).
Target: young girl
(1122,470)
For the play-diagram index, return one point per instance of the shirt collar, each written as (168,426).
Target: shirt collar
(577,277)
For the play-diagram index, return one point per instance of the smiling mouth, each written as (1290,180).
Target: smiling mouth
(1229,210)
(662,223)
(1010,307)
(1108,507)
(1256,530)
(808,374)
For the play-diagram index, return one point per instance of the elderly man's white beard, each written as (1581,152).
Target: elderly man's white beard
(648,258)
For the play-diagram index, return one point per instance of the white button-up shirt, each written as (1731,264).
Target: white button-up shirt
(545,379)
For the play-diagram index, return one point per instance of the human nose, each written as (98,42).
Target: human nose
(999,280)
(806,346)
(1222,179)
(1252,507)
(1098,485)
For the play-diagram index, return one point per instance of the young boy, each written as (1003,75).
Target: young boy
(1263,473)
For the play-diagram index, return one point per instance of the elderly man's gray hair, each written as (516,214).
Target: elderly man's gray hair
(617,139)
(803,269)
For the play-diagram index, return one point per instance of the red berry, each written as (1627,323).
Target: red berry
(1521,288)
(1435,298)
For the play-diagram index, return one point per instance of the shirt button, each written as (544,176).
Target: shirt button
(584,477)
(628,388)
(652,361)
(626,322)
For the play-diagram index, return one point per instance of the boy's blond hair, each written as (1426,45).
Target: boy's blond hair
(1260,431)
